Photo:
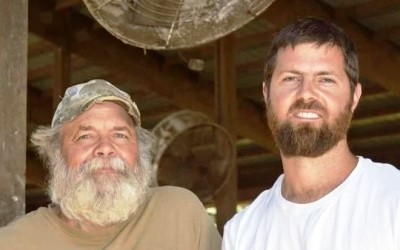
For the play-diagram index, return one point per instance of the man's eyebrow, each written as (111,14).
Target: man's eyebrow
(122,128)
(325,72)
(85,128)
(295,71)
(291,71)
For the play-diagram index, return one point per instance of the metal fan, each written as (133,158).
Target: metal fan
(173,24)
(193,152)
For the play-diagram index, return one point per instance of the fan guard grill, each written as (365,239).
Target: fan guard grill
(173,24)
(193,152)
(169,13)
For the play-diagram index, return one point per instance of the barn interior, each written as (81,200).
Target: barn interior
(220,79)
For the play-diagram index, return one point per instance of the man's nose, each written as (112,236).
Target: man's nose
(104,148)
(307,90)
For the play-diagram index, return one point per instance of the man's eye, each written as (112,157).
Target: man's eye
(327,80)
(83,137)
(290,78)
(120,135)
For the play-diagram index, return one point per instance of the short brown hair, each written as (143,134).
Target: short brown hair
(320,32)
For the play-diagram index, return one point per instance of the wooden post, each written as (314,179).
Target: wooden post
(13,87)
(62,58)
(226,107)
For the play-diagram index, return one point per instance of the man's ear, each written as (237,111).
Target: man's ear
(265,91)
(356,96)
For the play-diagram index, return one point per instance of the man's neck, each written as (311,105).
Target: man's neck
(81,225)
(309,179)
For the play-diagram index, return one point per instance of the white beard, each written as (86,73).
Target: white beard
(99,198)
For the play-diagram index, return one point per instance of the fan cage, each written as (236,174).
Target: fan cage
(173,24)
(169,133)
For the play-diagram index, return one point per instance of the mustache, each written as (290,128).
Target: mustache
(310,105)
(97,163)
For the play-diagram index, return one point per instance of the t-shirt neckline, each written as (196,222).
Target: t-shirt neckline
(286,204)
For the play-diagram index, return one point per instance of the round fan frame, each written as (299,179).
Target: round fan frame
(170,130)
(173,24)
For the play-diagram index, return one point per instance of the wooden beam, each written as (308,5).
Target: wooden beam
(226,106)
(38,48)
(13,68)
(254,40)
(249,150)
(370,9)
(64,4)
(391,33)
(48,70)
(256,175)
(375,127)
(249,194)
(387,154)
(62,56)
(369,107)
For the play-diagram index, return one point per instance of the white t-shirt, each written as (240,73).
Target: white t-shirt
(362,213)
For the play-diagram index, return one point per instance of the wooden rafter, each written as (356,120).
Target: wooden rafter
(371,8)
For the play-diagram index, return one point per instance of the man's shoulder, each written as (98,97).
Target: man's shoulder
(373,163)
(32,216)
(248,220)
(173,194)
(381,172)
(24,225)
(169,202)
(254,209)
(378,181)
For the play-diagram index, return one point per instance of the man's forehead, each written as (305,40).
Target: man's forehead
(306,53)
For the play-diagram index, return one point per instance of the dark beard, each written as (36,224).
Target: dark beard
(305,140)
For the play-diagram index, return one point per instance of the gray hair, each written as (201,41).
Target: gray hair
(47,142)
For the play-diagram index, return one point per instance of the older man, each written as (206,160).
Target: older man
(100,167)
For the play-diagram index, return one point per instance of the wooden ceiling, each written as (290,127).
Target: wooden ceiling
(67,45)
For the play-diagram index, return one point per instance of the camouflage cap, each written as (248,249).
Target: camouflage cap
(80,97)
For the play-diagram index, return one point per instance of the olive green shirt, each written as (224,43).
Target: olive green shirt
(173,218)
